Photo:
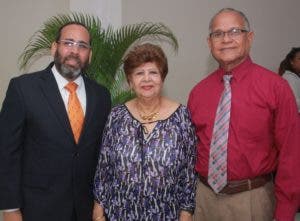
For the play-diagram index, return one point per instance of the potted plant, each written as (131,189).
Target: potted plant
(109,47)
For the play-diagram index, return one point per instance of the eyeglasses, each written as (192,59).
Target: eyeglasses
(232,33)
(71,44)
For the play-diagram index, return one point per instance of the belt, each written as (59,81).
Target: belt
(237,186)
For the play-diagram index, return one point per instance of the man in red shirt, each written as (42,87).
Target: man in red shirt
(263,134)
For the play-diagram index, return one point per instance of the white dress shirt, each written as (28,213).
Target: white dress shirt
(80,91)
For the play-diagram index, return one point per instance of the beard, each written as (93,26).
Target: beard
(69,72)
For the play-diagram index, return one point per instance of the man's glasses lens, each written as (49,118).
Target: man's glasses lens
(69,43)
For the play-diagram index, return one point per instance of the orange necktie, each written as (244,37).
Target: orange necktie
(75,112)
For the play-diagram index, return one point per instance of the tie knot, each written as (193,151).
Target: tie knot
(71,87)
(227,78)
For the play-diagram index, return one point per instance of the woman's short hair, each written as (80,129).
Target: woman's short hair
(145,53)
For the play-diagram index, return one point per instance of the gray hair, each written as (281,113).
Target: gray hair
(246,21)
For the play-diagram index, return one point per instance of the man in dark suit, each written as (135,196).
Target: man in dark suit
(47,165)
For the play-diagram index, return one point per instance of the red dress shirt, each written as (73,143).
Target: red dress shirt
(264,131)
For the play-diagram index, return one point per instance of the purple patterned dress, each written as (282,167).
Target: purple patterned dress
(146,178)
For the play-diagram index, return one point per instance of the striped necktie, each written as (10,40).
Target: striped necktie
(217,170)
(75,112)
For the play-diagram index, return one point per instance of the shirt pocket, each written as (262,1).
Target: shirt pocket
(254,123)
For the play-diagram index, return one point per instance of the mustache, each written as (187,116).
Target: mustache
(72,56)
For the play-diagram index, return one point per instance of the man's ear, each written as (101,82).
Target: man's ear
(209,42)
(250,36)
(53,48)
(90,56)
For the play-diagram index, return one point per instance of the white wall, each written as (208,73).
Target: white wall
(18,21)
(110,12)
(275,23)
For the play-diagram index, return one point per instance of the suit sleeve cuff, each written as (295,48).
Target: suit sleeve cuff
(285,211)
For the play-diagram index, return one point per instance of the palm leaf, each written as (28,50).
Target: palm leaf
(119,89)
(108,45)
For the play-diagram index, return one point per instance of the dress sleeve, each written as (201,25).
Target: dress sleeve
(103,175)
(187,177)
(287,141)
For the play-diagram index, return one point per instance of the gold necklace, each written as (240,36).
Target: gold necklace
(148,117)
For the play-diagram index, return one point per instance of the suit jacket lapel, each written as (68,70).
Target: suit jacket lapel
(51,92)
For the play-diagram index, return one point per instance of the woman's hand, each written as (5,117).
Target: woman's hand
(98,212)
(185,216)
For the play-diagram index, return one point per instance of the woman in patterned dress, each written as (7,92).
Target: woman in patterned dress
(146,163)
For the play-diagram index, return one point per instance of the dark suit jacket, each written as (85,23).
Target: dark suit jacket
(42,170)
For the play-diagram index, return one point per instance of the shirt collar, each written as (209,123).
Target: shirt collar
(62,82)
(239,72)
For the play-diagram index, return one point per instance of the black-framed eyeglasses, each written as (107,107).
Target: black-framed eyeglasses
(232,33)
(71,44)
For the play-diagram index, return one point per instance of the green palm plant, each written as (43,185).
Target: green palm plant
(109,47)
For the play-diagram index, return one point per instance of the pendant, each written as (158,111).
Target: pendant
(149,117)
